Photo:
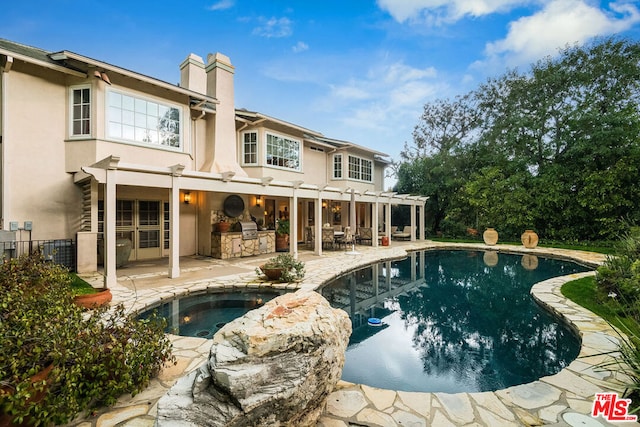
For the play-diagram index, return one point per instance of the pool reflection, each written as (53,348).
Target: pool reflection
(453,322)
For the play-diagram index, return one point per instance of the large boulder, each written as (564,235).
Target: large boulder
(275,366)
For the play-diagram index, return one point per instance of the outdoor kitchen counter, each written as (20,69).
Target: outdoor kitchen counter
(233,245)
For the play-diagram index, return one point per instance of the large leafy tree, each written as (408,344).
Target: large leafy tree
(432,165)
(555,149)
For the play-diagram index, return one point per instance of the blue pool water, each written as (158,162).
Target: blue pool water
(452,321)
(203,315)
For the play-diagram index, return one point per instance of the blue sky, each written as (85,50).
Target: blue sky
(358,70)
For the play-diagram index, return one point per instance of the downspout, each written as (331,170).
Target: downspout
(6,62)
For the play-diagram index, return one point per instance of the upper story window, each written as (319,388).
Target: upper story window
(134,119)
(360,169)
(250,148)
(81,111)
(283,152)
(337,166)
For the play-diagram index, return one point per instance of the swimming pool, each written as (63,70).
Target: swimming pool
(202,315)
(452,321)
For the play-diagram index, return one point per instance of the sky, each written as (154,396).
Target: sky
(355,70)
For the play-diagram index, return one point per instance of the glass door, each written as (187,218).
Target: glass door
(149,229)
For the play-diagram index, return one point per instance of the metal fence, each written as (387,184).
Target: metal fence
(60,251)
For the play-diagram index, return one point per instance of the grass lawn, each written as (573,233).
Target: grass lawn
(584,292)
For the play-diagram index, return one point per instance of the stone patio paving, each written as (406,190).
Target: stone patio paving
(563,399)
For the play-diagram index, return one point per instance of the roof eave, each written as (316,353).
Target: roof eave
(64,55)
(43,64)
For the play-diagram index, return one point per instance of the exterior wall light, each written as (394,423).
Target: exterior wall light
(258,200)
(186,198)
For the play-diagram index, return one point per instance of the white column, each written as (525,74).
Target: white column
(318,225)
(374,224)
(421,211)
(387,221)
(109,235)
(174,226)
(413,223)
(352,211)
(293,225)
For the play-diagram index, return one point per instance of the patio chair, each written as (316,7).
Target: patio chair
(310,237)
(328,237)
(405,234)
(365,234)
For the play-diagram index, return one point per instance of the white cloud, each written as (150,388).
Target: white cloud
(274,27)
(222,5)
(560,23)
(387,100)
(438,11)
(300,47)
(370,100)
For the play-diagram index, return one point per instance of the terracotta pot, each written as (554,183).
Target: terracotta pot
(490,236)
(102,297)
(224,226)
(271,273)
(529,239)
(6,420)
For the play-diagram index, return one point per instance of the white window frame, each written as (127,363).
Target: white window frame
(356,172)
(72,118)
(244,143)
(147,118)
(298,168)
(337,171)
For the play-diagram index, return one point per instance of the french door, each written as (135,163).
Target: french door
(141,221)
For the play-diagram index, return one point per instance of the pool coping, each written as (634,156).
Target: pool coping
(542,402)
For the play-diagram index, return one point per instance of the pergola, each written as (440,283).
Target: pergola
(111,172)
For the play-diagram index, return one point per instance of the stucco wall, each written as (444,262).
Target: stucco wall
(34,156)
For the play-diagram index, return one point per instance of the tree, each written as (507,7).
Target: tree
(431,165)
(555,149)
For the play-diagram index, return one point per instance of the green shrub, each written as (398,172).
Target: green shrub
(292,269)
(93,357)
(618,279)
(626,359)
(619,276)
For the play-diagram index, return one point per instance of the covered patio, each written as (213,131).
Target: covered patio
(205,188)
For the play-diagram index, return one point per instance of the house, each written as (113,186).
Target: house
(95,152)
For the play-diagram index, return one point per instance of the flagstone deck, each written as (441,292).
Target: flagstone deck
(562,399)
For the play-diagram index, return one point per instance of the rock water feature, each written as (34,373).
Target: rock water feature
(275,366)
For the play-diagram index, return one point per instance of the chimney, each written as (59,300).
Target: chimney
(223,129)
(192,74)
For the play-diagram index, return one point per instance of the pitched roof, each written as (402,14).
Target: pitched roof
(73,63)
(254,117)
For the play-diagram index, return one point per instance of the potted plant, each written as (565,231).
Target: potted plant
(220,221)
(58,360)
(282,235)
(87,296)
(282,268)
